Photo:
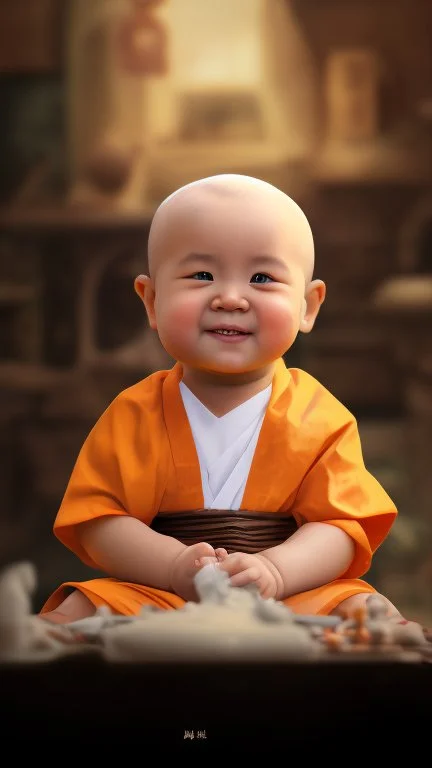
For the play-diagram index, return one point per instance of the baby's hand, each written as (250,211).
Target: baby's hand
(186,566)
(219,555)
(246,569)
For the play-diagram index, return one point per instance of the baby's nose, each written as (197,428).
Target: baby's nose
(230,299)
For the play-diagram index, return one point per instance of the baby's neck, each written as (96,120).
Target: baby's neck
(222,393)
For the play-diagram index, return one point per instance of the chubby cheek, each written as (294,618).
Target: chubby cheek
(278,324)
(178,319)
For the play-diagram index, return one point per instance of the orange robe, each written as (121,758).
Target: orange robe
(140,459)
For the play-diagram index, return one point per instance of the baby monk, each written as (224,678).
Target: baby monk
(229,457)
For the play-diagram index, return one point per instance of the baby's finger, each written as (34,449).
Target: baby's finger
(203,549)
(236,563)
(249,576)
(202,561)
(221,553)
(267,590)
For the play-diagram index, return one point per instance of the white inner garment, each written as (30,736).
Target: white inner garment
(225,446)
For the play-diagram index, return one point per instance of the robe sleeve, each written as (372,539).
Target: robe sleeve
(96,485)
(340,491)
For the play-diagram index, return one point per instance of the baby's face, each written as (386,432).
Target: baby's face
(229,285)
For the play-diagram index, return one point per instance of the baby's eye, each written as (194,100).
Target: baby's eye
(260,277)
(202,276)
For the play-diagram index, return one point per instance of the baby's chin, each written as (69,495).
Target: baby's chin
(230,370)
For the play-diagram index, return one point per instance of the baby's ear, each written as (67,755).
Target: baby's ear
(144,288)
(314,297)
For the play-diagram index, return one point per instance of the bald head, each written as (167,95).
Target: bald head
(191,200)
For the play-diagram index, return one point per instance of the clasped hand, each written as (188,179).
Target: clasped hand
(242,569)
(188,563)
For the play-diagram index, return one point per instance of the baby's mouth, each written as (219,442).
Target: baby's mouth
(229,332)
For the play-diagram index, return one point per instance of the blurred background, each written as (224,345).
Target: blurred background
(106,107)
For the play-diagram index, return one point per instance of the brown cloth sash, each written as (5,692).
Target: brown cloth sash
(235,531)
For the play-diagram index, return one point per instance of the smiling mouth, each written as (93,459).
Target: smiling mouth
(229,332)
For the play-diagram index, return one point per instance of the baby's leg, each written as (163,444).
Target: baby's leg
(75,606)
(350,604)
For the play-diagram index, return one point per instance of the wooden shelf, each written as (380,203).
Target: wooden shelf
(64,218)
(381,162)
